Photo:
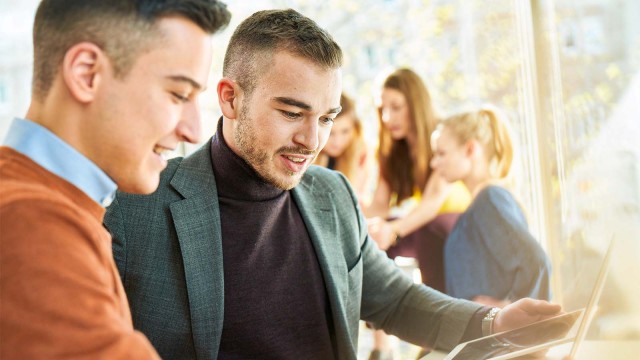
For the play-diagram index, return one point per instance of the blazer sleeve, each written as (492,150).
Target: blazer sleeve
(413,312)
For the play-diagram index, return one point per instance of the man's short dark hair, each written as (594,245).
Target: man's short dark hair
(258,37)
(122,28)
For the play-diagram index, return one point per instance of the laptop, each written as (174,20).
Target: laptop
(537,336)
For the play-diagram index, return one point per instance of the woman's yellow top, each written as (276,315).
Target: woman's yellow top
(456,202)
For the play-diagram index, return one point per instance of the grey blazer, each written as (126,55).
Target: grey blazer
(167,247)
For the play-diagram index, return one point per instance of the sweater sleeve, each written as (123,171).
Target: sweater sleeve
(61,296)
(506,236)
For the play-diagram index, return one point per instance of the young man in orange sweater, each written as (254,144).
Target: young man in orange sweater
(115,85)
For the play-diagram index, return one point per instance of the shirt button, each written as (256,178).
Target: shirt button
(107,201)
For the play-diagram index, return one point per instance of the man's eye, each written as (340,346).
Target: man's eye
(290,115)
(327,121)
(180,97)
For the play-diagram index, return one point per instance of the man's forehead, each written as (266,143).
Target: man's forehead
(297,81)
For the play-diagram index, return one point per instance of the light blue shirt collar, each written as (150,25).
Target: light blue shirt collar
(52,153)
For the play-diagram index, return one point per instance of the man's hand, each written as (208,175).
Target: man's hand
(523,312)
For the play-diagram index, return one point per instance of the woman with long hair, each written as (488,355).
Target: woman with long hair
(407,118)
(490,255)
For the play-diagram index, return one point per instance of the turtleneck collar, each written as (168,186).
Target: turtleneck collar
(235,179)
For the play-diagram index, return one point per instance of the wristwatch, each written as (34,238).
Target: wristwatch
(487,321)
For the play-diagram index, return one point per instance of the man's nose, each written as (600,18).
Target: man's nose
(189,127)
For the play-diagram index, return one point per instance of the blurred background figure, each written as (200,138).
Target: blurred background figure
(407,119)
(346,150)
(490,256)
(409,195)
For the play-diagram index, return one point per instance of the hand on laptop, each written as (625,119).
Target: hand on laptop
(524,312)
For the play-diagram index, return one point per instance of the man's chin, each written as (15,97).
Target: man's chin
(284,181)
(287,184)
(280,178)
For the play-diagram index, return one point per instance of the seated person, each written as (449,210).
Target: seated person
(346,150)
(490,256)
(413,207)
(429,207)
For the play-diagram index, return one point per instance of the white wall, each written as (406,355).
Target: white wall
(16,21)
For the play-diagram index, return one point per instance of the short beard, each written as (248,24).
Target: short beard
(245,140)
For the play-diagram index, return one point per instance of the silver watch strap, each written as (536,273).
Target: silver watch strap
(487,321)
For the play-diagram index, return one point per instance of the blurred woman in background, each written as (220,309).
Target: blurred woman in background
(490,256)
(346,150)
(407,119)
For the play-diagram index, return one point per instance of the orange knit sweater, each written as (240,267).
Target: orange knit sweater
(60,293)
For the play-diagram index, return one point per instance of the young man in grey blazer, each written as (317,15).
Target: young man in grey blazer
(245,251)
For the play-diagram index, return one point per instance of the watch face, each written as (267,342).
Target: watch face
(491,313)
(487,321)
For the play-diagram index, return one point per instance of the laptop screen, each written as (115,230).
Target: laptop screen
(593,300)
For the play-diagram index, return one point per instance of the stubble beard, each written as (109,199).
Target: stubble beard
(246,139)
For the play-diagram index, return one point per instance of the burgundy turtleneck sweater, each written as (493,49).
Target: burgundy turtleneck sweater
(275,302)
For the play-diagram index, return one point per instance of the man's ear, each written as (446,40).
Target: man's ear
(83,67)
(228,98)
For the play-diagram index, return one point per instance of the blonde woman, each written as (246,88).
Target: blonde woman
(346,150)
(490,255)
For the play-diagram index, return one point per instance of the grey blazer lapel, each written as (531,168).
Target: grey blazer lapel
(197,223)
(316,204)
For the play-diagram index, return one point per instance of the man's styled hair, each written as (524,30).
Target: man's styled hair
(257,38)
(123,29)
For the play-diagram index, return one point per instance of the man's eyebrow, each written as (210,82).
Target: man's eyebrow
(182,78)
(292,102)
(302,105)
